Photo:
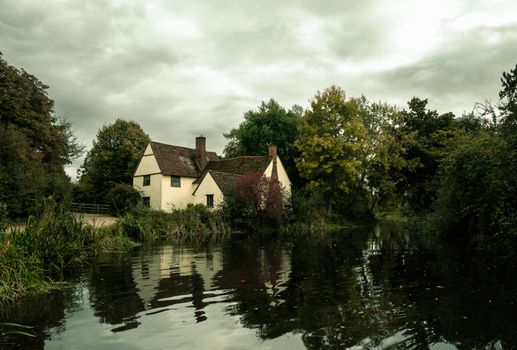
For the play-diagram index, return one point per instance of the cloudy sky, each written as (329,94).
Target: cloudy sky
(184,68)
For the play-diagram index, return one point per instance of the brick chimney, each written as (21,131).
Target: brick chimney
(273,151)
(201,147)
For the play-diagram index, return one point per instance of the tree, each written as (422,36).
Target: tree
(333,146)
(427,133)
(112,160)
(256,202)
(508,106)
(269,124)
(508,93)
(477,192)
(387,160)
(35,145)
(475,185)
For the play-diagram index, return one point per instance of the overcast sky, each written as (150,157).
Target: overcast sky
(184,68)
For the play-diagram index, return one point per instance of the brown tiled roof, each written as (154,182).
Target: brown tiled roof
(225,181)
(225,172)
(179,161)
(240,165)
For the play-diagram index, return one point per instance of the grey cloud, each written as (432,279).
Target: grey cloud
(465,71)
(104,60)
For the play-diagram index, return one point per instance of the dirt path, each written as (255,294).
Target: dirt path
(97,220)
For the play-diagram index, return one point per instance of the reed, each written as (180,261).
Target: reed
(193,224)
(37,254)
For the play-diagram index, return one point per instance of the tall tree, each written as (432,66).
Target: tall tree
(35,145)
(428,133)
(112,160)
(508,106)
(269,124)
(333,146)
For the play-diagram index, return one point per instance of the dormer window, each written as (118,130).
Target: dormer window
(175,181)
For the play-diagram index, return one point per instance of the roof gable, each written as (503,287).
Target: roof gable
(179,161)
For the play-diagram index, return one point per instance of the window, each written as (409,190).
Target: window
(146,201)
(175,181)
(147,180)
(210,200)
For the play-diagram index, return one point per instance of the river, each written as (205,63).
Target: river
(378,288)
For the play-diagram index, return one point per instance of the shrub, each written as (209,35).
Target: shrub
(257,203)
(122,198)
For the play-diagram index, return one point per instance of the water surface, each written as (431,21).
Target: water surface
(369,289)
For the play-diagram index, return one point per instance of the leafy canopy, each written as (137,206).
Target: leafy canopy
(270,124)
(113,159)
(332,143)
(35,145)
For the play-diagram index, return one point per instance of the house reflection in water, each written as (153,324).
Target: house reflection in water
(183,277)
(172,276)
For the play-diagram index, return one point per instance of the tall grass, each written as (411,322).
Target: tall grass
(33,256)
(193,224)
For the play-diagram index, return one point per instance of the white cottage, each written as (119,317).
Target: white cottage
(172,176)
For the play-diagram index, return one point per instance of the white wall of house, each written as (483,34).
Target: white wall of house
(282,175)
(149,166)
(177,197)
(153,191)
(208,186)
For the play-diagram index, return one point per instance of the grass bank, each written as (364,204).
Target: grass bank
(34,256)
(37,253)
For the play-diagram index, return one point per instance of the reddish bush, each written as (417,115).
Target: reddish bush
(262,197)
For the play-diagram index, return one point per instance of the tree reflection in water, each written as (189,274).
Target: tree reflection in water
(375,288)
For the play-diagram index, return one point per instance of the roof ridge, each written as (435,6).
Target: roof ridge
(238,157)
(167,144)
(223,172)
(190,149)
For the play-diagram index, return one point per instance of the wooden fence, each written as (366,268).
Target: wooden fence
(87,208)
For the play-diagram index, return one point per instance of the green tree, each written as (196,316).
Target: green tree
(427,133)
(387,160)
(333,146)
(112,160)
(477,192)
(35,145)
(474,184)
(269,124)
(508,106)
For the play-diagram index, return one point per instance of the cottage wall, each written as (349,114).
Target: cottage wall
(149,166)
(282,175)
(177,197)
(153,191)
(208,186)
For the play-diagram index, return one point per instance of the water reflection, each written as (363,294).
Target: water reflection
(379,288)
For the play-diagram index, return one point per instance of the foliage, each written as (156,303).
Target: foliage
(270,124)
(193,224)
(31,256)
(333,146)
(406,149)
(477,195)
(257,203)
(34,144)
(112,160)
(122,198)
